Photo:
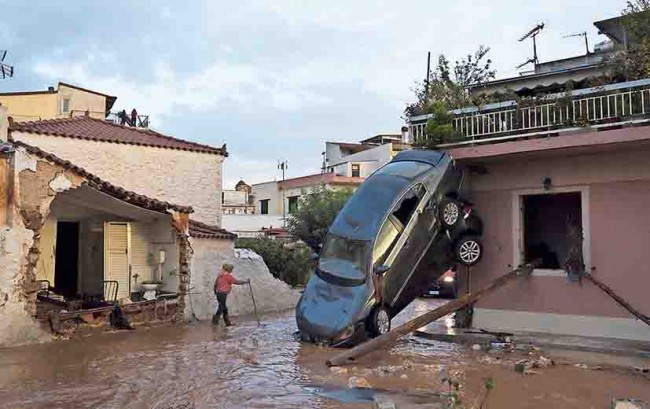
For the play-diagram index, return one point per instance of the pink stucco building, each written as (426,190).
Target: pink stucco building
(600,178)
(566,174)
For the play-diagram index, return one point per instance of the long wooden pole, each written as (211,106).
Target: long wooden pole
(392,336)
(616,298)
(257,317)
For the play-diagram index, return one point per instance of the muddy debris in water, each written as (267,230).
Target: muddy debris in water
(339,370)
(358,382)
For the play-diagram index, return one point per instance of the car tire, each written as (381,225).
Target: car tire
(468,250)
(379,321)
(450,212)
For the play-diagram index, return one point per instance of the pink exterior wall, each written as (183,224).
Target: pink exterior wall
(617,185)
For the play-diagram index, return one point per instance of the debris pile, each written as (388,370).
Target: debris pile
(532,366)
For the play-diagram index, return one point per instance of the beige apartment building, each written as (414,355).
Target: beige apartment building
(64,101)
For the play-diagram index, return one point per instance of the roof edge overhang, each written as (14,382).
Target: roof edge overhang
(108,188)
(577,141)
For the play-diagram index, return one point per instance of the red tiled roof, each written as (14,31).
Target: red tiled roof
(319,179)
(106,187)
(85,127)
(205,231)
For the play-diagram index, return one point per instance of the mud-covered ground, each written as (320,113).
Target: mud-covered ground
(199,366)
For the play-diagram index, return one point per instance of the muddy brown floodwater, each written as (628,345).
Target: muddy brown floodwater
(199,366)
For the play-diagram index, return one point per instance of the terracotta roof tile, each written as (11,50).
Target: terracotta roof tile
(84,127)
(205,231)
(106,187)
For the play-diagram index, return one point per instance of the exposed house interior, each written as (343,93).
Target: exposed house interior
(96,250)
(547,220)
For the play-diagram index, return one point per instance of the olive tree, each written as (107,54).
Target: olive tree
(447,89)
(448,83)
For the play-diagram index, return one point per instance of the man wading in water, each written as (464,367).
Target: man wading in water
(222,286)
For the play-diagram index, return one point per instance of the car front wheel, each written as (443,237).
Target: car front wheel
(379,321)
(469,250)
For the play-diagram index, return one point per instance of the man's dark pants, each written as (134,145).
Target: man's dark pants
(222,309)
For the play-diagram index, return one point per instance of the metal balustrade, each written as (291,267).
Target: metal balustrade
(586,107)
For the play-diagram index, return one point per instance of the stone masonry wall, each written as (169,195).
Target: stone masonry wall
(179,177)
(35,184)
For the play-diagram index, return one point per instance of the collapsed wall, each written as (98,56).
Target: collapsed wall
(17,326)
(27,187)
(271,294)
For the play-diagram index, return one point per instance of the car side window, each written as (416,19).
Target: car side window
(398,224)
(386,239)
(407,205)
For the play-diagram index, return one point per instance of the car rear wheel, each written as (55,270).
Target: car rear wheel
(469,250)
(449,212)
(379,321)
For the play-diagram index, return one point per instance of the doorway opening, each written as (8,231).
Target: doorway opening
(66,262)
(552,228)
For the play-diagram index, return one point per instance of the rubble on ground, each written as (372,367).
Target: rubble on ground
(629,404)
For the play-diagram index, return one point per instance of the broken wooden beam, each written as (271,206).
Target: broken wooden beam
(617,298)
(392,336)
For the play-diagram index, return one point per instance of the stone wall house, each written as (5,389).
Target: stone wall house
(140,160)
(92,243)
(70,171)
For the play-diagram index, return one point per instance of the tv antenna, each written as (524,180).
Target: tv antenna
(583,34)
(532,34)
(5,70)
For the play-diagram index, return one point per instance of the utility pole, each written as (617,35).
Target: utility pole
(283,166)
(426,79)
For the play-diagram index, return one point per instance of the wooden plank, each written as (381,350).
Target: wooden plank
(616,298)
(392,336)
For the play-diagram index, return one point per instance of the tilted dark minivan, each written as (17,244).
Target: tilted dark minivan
(399,231)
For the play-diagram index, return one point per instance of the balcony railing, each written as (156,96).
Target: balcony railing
(141,121)
(601,105)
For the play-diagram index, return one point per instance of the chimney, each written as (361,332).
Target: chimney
(51,89)
(405,135)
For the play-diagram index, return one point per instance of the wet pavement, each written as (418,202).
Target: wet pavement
(246,366)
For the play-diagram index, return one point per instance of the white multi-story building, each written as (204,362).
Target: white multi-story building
(363,158)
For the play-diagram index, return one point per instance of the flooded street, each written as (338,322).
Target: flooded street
(199,366)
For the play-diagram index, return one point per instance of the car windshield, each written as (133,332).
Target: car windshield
(407,169)
(344,258)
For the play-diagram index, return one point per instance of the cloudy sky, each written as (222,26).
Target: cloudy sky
(276,79)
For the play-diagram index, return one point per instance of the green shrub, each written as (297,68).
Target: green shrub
(288,262)
(316,213)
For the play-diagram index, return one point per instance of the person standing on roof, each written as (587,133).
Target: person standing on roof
(222,286)
(134,118)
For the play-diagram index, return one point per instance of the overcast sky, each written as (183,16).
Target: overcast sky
(274,80)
